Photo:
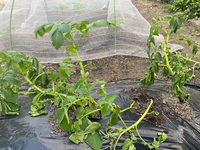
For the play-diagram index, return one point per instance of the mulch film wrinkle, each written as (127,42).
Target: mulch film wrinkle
(24,132)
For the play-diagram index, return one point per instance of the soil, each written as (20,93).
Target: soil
(142,101)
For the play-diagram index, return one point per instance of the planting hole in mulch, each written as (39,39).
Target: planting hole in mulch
(142,101)
(72,117)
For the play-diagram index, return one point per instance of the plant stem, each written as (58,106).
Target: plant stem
(38,89)
(122,120)
(127,108)
(90,113)
(165,54)
(145,143)
(135,124)
(38,77)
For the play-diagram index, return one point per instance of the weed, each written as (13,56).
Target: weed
(148,10)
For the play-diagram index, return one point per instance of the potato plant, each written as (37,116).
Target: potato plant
(174,63)
(16,64)
(76,95)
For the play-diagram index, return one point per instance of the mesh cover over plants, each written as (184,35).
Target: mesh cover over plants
(129,38)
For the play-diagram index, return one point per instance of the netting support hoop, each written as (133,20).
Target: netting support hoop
(10,38)
(115,28)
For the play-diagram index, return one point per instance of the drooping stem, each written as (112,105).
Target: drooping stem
(127,108)
(167,60)
(90,113)
(165,54)
(135,124)
(140,136)
(38,89)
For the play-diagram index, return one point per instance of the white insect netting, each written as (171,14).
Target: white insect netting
(129,38)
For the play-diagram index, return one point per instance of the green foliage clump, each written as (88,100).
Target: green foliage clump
(173,63)
(66,96)
(190,8)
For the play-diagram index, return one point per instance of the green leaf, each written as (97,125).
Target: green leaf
(38,112)
(155,144)
(101,101)
(143,81)
(77,137)
(180,94)
(111,98)
(78,84)
(176,68)
(12,80)
(1,70)
(155,67)
(95,141)
(18,58)
(3,81)
(60,115)
(194,49)
(83,91)
(175,78)
(14,64)
(189,41)
(7,108)
(132,147)
(179,21)
(101,23)
(57,39)
(89,63)
(88,110)
(84,123)
(113,119)
(64,28)
(9,95)
(2,55)
(154,20)
(181,38)
(128,142)
(156,32)
(152,28)
(39,30)
(90,25)
(65,125)
(162,137)
(63,72)
(110,27)
(158,56)
(153,40)
(71,49)
(79,113)
(36,98)
(105,110)
(54,75)
(57,101)
(48,27)
(92,127)
(173,87)
(53,30)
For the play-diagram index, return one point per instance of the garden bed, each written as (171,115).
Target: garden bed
(38,131)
